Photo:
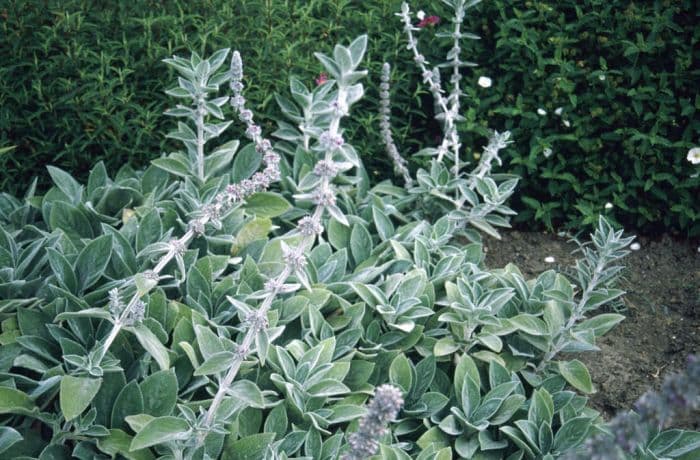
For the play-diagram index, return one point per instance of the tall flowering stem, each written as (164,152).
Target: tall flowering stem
(450,105)
(432,79)
(385,125)
(383,409)
(595,273)
(497,142)
(224,202)
(199,122)
(294,258)
(456,92)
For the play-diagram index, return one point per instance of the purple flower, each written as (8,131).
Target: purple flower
(322,78)
(308,226)
(323,197)
(330,141)
(384,408)
(326,168)
(429,21)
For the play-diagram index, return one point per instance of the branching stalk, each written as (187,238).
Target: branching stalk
(200,141)
(456,77)
(429,77)
(223,202)
(610,247)
(121,320)
(385,125)
(245,347)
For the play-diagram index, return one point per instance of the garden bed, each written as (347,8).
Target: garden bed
(662,306)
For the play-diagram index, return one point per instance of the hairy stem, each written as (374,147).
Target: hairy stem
(245,346)
(200,142)
(456,90)
(577,314)
(434,87)
(120,321)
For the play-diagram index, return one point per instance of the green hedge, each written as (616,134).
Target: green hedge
(82,80)
(623,73)
(81,84)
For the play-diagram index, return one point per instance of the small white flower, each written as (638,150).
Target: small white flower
(699,249)
(547,152)
(420,15)
(694,155)
(608,205)
(635,246)
(549,259)
(601,77)
(485,82)
(558,111)
(541,112)
(567,123)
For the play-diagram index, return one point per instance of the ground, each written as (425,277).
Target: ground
(662,306)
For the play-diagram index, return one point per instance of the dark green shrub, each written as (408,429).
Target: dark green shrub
(80,83)
(622,73)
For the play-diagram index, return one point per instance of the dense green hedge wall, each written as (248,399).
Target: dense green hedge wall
(624,76)
(81,82)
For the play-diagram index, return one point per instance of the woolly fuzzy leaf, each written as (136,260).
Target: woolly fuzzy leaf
(266,204)
(159,392)
(160,430)
(245,163)
(76,394)
(66,184)
(401,373)
(92,261)
(13,401)
(577,375)
(119,443)
(149,341)
(8,437)
(248,448)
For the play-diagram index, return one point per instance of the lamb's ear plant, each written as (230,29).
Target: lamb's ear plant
(477,197)
(269,302)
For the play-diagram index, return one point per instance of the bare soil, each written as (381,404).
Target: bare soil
(662,306)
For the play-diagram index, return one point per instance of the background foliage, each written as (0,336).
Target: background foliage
(80,84)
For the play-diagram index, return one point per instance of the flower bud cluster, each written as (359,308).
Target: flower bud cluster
(294,259)
(385,125)
(136,314)
(384,408)
(310,226)
(326,169)
(339,109)
(497,142)
(329,141)
(273,285)
(323,196)
(177,247)
(257,320)
(117,309)
(116,306)
(235,193)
